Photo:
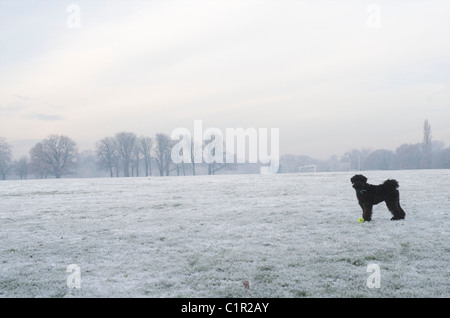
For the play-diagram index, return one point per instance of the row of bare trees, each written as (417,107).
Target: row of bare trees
(428,154)
(125,153)
(56,155)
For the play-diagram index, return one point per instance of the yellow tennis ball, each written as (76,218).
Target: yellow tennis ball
(360,220)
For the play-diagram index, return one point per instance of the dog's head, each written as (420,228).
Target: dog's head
(359,182)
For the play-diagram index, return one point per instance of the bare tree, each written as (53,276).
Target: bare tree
(37,164)
(145,146)
(177,165)
(211,152)
(135,158)
(426,133)
(162,153)
(193,158)
(379,159)
(407,156)
(56,155)
(21,167)
(108,156)
(214,166)
(5,157)
(125,141)
(426,161)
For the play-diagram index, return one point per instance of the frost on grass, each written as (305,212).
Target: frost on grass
(292,235)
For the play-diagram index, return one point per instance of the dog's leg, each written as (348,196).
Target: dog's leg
(392,208)
(402,213)
(367,211)
(396,210)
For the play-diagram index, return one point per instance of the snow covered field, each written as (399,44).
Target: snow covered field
(290,235)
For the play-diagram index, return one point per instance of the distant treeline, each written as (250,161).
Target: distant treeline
(428,154)
(127,155)
(406,156)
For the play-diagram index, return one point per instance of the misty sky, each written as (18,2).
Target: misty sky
(331,75)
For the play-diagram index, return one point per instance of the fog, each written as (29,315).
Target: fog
(331,76)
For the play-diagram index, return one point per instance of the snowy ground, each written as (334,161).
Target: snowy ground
(291,235)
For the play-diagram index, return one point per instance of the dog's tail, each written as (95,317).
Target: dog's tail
(391,183)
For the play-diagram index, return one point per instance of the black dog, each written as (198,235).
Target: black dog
(368,195)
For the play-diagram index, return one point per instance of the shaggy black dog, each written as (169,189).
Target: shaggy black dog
(368,195)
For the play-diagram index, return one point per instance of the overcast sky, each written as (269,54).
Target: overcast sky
(331,75)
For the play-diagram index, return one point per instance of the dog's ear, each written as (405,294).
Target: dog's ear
(358,177)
